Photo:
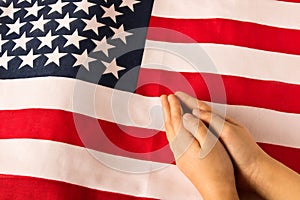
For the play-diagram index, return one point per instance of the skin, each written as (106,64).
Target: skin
(218,166)
(209,184)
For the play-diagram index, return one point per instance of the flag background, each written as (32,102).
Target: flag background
(69,126)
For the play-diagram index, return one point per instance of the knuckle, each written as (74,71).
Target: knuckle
(228,129)
(206,116)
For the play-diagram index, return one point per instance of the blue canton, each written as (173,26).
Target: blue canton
(60,38)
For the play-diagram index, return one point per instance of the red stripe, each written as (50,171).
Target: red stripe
(62,126)
(59,126)
(28,188)
(288,156)
(239,91)
(292,1)
(225,31)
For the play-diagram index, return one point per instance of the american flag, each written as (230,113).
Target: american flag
(80,114)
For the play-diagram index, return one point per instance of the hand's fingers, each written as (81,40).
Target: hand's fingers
(205,138)
(167,115)
(216,122)
(165,107)
(192,102)
(176,112)
(233,121)
(182,142)
(182,139)
(196,127)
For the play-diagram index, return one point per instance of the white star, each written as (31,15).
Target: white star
(28,59)
(32,10)
(65,22)
(120,33)
(129,4)
(39,24)
(92,24)
(57,7)
(15,27)
(4,59)
(54,57)
(112,68)
(9,11)
(74,39)
(83,59)
(102,46)
(83,5)
(21,42)
(111,12)
(47,40)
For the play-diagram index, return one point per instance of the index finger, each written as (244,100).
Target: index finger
(166,108)
(192,102)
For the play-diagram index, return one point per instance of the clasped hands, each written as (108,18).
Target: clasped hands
(218,155)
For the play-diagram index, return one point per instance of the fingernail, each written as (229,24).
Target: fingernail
(196,112)
(177,93)
(187,116)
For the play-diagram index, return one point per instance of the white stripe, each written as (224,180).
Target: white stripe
(75,165)
(266,125)
(80,97)
(227,60)
(267,12)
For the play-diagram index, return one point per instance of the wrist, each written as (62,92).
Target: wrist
(276,181)
(256,171)
(221,191)
(261,181)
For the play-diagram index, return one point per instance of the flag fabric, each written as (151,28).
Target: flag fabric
(80,80)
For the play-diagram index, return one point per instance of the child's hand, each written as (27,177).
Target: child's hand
(243,149)
(254,167)
(213,174)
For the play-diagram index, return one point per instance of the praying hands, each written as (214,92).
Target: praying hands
(219,156)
